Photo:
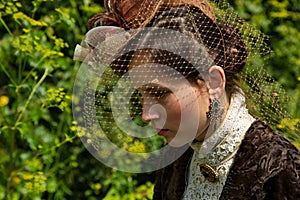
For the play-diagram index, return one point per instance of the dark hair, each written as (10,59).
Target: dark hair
(223,42)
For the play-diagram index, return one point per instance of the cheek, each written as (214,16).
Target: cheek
(203,99)
(198,109)
(174,108)
(204,104)
(181,112)
(192,108)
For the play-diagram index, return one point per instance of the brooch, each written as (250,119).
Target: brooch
(209,173)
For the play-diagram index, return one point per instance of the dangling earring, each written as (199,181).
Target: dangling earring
(215,112)
(208,113)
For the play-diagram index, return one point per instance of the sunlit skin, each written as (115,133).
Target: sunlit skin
(180,98)
(172,106)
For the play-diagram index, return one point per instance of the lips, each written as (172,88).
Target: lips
(162,132)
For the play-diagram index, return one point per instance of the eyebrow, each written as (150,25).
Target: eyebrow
(151,86)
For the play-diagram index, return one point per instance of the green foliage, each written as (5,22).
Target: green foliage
(280,20)
(41,157)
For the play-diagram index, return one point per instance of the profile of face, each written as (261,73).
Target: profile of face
(175,106)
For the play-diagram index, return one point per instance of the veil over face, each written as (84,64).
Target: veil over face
(167,42)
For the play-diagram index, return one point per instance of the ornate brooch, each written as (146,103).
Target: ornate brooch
(209,173)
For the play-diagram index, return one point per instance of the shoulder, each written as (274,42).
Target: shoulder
(264,143)
(265,162)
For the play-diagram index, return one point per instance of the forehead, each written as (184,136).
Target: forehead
(153,75)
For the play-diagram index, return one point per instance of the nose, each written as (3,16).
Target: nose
(146,117)
(149,112)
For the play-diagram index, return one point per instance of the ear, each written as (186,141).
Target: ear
(216,82)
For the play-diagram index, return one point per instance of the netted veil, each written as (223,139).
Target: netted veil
(137,43)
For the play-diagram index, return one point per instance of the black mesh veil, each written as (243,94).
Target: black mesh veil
(173,43)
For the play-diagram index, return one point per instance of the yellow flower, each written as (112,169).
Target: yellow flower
(16,180)
(73,128)
(58,99)
(33,22)
(288,123)
(29,186)
(4,100)
(129,139)
(96,186)
(28,176)
(138,147)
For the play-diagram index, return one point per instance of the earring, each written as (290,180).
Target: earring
(215,112)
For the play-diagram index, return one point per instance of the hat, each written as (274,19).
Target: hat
(137,13)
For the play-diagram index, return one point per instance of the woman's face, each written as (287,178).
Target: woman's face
(175,107)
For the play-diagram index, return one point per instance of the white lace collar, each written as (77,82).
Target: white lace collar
(218,151)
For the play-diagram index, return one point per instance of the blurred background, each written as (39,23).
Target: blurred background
(41,156)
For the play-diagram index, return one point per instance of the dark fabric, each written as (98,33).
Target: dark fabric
(171,180)
(266,166)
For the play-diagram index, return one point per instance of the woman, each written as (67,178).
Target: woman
(186,71)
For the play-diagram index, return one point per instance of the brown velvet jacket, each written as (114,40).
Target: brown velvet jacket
(266,166)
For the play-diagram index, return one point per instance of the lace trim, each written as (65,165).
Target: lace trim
(218,152)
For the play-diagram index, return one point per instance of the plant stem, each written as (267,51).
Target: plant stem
(14,129)
(29,73)
(31,95)
(5,26)
(7,74)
